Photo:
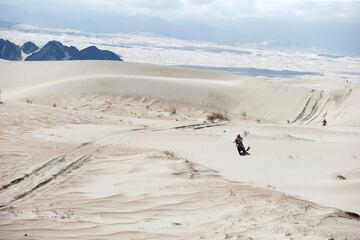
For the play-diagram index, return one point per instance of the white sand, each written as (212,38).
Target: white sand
(100,153)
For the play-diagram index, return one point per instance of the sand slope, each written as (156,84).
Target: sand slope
(100,188)
(256,98)
(95,150)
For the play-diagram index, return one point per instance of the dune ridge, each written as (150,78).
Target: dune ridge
(234,94)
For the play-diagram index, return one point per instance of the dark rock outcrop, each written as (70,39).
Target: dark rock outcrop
(56,51)
(53,51)
(29,47)
(9,50)
(93,53)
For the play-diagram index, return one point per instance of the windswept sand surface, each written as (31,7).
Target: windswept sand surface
(100,150)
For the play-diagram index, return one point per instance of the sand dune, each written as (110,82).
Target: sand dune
(102,150)
(224,92)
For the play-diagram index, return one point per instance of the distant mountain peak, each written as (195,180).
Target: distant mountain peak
(9,50)
(29,47)
(93,53)
(53,51)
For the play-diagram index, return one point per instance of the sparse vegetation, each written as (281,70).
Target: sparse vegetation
(169,154)
(54,105)
(172,110)
(217,116)
(246,133)
(28,101)
(164,154)
(340,177)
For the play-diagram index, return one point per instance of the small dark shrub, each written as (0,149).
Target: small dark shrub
(217,116)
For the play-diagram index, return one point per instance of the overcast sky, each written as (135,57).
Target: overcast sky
(308,10)
(307,23)
(210,9)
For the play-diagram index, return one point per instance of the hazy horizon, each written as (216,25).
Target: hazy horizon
(327,26)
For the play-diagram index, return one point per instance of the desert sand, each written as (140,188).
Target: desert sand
(108,150)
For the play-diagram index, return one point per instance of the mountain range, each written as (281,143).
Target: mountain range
(9,50)
(52,51)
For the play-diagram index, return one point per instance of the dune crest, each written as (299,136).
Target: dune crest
(234,94)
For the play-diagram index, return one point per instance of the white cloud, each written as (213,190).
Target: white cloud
(313,9)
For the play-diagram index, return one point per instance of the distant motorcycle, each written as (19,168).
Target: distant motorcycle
(241,149)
